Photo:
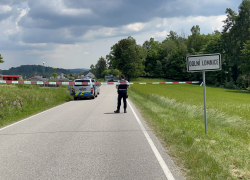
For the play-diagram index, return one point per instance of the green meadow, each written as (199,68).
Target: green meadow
(176,114)
(18,101)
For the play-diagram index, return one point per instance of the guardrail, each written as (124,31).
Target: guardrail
(87,83)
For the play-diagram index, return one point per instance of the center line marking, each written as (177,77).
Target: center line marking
(156,152)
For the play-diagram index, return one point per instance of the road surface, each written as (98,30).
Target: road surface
(84,139)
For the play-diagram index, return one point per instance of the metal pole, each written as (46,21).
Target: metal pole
(43,74)
(205,108)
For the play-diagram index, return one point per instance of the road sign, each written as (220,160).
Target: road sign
(204,62)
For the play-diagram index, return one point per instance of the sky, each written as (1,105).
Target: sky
(76,33)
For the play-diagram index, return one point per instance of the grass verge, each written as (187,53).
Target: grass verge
(175,114)
(20,101)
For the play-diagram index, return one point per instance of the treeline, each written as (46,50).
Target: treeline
(167,59)
(28,70)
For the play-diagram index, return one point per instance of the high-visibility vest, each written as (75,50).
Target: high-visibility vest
(122,87)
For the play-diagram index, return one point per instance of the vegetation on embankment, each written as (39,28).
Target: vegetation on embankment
(18,101)
(175,113)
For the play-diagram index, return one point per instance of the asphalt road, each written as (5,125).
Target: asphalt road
(84,139)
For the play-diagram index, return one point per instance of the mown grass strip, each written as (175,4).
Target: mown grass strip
(223,153)
(18,101)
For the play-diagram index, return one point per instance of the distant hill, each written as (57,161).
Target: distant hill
(78,70)
(28,70)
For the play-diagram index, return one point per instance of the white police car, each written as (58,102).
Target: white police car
(85,88)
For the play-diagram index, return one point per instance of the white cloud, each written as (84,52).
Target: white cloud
(162,34)
(34,52)
(4,9)
(135,26)
(59,7)
(76,11)
(158,28)
(52,56)
(96,42)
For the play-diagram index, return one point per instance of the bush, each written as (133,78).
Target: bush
(230,84)
(240,82)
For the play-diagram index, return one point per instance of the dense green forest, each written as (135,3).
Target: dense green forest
(28,70)
(167,59)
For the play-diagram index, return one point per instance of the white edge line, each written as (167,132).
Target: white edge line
(29,117)
(156,152)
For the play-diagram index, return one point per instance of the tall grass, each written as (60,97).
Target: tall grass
(20,101)
(175,113)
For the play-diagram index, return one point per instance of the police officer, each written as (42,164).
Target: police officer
(122,94)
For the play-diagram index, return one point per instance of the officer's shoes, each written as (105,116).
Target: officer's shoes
(117,111)
(125,111)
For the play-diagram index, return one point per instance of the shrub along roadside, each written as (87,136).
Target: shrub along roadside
(221,154)
(20,101)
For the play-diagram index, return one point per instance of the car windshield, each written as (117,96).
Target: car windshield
(82,80)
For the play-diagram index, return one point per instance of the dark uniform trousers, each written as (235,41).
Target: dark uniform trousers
(122,95)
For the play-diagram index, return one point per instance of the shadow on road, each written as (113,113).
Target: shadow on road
(111,113)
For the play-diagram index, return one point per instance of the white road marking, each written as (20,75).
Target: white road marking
(156,152)
(29,117)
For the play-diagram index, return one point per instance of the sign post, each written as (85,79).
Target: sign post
(205,105)
(204,62)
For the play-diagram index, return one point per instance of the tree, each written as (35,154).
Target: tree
(126,57)
(114,72)
(158,69)
(81,73)
(100,67)
(234,35)
(153,57)
(54,74)
(245,66)
(174,52)
(1,61)
(106,72)
(76,76)
(92,69)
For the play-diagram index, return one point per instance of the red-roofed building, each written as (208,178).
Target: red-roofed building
(11,77)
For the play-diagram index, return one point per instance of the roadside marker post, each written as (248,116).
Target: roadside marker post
(203,63)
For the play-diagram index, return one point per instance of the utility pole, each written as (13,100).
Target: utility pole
(43,74)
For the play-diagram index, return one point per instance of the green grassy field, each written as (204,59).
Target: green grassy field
(20,101)
(175,112)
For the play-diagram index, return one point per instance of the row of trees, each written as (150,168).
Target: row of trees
(28,70)
(167,59)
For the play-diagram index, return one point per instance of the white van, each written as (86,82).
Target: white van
(80,91)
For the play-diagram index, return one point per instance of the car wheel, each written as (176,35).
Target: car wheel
(93,97)
(75,98)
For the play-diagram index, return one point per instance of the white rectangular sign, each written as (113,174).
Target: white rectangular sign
(204,62)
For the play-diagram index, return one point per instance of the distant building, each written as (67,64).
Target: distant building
(35,77)
(11,77)
(88,74)
(60,75)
